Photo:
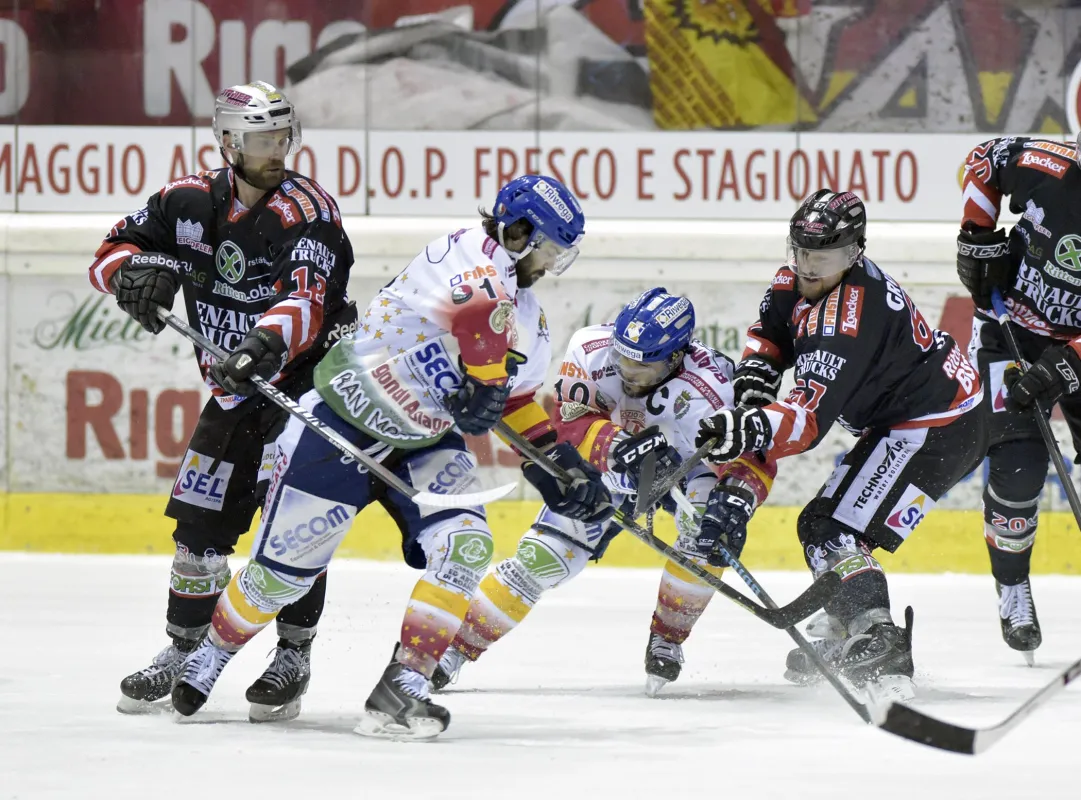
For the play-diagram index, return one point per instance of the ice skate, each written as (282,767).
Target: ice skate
(399,707)
(276,695)
(446,672)
(140,691)
(823,626)
(878,660)
(201,671)
(664,661)
(1017,613)
(800,669)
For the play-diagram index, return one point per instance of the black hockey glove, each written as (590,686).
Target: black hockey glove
(262,353)
(1054,374)
(585,499)
(477,407)
(756,382)
(736,431)
(727,513)
(984,263)
(145,282)
(628,454)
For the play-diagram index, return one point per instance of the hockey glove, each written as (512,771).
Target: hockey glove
(1054,374)
(477,406)
(735,431)
(262,353)
(585,499)
(627,455)
(756,382)
(727,513)
(145,282)
(984,263)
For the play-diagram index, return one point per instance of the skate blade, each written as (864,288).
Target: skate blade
(129,705)
(802,678)
(819,626)
(377,725)
(654,684)
(1029,656)
(889,688)
(259,713)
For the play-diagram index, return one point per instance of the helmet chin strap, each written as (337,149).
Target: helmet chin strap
(514,256)
(237,166)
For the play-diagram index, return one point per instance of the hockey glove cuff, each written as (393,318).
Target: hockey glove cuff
(585,498)
(734,432)
(478,404)
(725,519)
(262,353)
(1056,373)
(628,454)
(984,263)
(145,282)
(756,382)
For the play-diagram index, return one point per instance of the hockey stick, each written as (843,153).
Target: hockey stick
(901,720)
(1042,414)
(909,723)
(820,664)
(284,401)
(779,617)
(658,487)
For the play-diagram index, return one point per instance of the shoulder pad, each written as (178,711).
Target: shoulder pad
(784,280)
(200,181)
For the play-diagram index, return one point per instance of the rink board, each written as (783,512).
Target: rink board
(947,541)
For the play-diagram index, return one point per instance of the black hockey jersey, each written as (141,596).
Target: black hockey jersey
(863,356)
(283,264)
(1043,181)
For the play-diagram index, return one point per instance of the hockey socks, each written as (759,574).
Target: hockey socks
(432,619)
(496,610)
(681,599)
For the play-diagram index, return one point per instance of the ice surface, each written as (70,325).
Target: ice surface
(554,711)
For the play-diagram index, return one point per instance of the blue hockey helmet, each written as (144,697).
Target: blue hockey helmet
(553,211)
(650,335)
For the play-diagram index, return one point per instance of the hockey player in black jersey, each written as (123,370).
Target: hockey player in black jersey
(863,356)
(1037,267)
(262,260)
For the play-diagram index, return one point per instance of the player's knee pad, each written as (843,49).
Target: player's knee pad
(268,589)
(590,536)
(459,550)
(1018,470)
(300,532)
(698,489)
(863,598)
(199,574)
(1011,498)
(826,546)
(543,561)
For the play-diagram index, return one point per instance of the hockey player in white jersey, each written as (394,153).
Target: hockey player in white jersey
(455,343)
(625,390)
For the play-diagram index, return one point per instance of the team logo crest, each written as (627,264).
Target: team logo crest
(1068,252)
(497,321)
(634,331)
(230,262)
(682,404)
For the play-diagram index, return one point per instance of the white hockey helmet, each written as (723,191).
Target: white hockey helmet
(254,107)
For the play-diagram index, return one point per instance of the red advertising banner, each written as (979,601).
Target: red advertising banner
(830,65)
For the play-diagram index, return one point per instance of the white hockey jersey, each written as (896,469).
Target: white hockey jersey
(457,302)
(593,408)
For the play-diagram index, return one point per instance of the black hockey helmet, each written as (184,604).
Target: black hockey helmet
(826,235)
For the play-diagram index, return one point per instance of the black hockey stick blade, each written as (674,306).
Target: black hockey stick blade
(811,601)
(646,477)
(907,722)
